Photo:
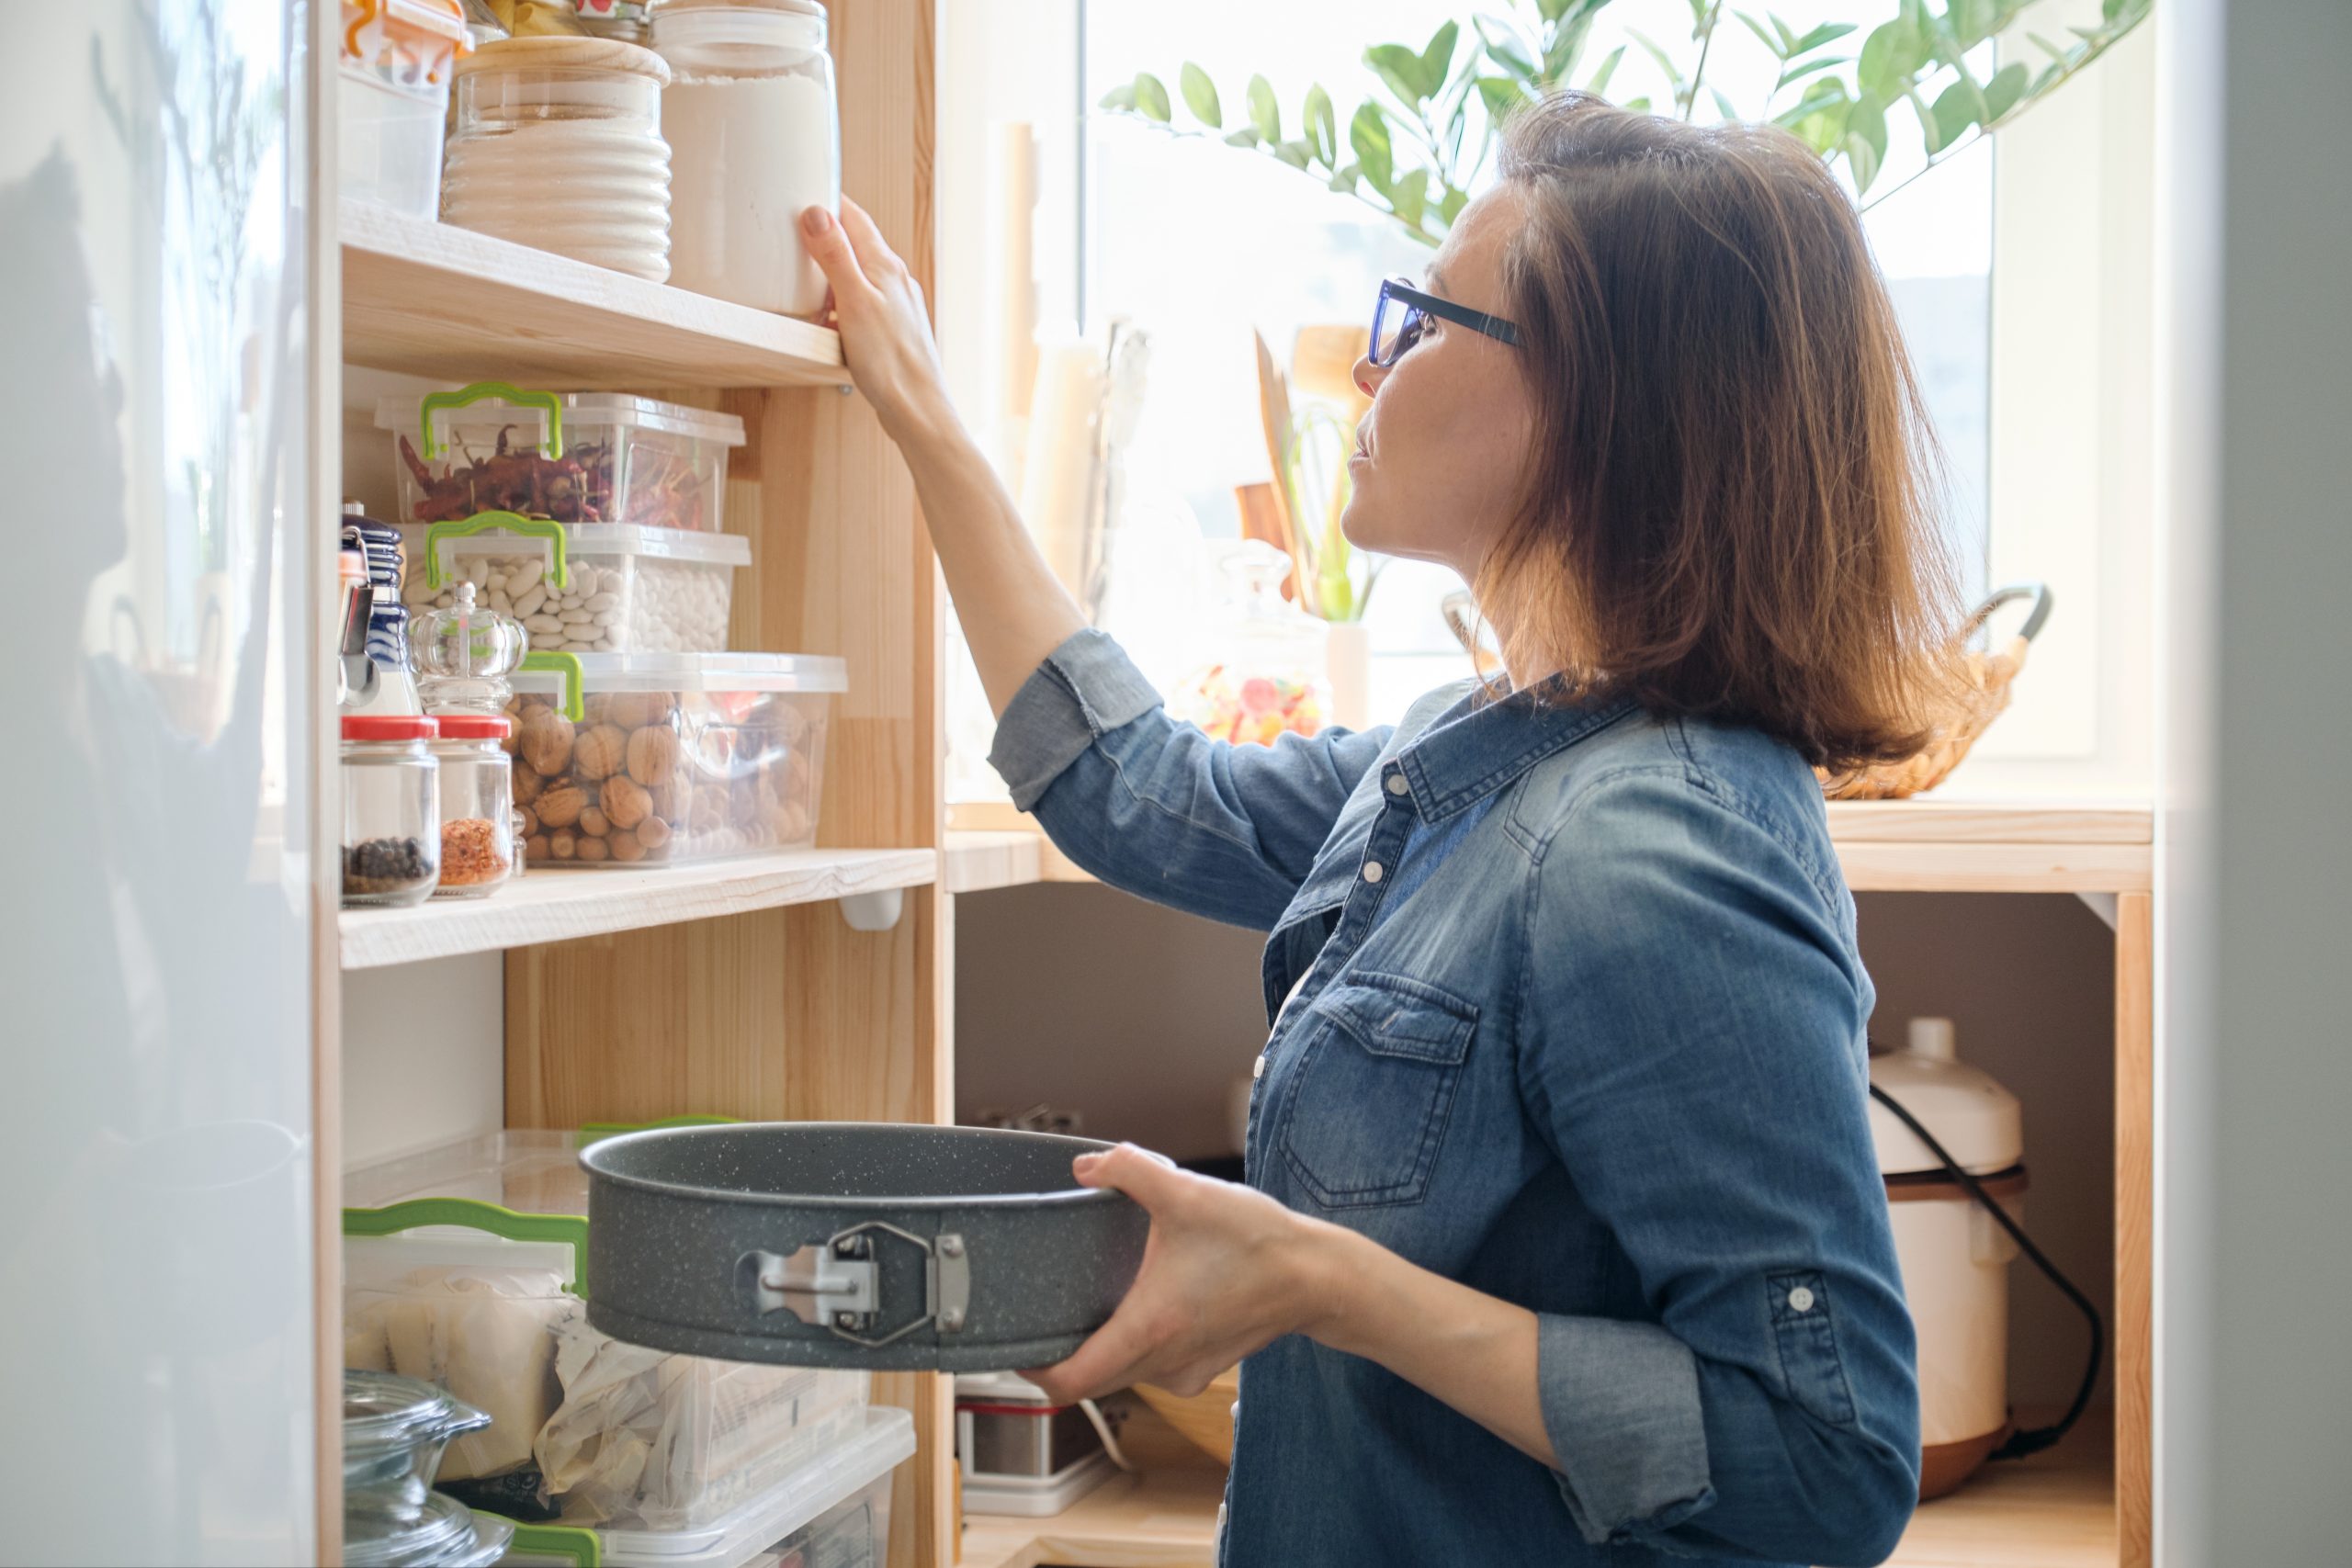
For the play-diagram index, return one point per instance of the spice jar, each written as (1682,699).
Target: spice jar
(750,117)
(478,814)
(558,146)
(391,809)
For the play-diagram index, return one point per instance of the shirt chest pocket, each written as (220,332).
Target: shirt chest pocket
(1363,1109)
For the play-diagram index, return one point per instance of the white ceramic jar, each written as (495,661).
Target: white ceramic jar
(559,145)
(752,123)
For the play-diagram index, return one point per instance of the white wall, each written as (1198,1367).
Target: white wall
(2253,1376)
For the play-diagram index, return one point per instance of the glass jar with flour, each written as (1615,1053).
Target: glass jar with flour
(755,136)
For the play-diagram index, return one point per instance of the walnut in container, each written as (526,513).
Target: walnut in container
(673,759)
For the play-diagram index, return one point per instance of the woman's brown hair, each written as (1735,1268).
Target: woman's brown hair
(1730,505)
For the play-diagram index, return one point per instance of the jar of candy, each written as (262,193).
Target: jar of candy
(1268,676)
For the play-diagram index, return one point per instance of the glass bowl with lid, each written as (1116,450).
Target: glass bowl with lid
(393,1431)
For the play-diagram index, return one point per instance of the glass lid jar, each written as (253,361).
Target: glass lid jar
(461,656)
(1267,676)
(393,1431)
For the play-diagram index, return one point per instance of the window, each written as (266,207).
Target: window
(1198,243)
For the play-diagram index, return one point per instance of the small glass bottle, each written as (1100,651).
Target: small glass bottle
(463,655)
(391,809)
(476,805)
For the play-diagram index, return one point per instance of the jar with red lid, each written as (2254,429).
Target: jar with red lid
(391,809)
(476,804)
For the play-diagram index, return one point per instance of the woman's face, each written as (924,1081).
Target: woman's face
(1440,456)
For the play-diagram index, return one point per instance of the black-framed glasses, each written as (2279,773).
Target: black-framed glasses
(1404,311)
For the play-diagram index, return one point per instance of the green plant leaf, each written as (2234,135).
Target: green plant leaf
(1827,32)
(2004,92)
(1804,68)
(1890,56)
(1636,105)
(1865,139)
(1322,130)
(1244,137)
(1955,112)
(1930,133)
(1502,96)
(1121,97)
(1503,46)
(1401,68)
(1264,112)
(1151,97)
(1723,105)
(1552,10)
(1450,207)
(1410,194)
(1973,21)
(1665,62)
(1599,81)
(1437,59)
(1819,119)
(1368,137)
(1778,45)
(1200,95)
(1296,153)
(1343,179)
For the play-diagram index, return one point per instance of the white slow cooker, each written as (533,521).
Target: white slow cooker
(1954,1256)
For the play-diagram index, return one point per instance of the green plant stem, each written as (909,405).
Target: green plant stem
(1699,72)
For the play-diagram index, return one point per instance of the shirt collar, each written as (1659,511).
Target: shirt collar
(1482,743)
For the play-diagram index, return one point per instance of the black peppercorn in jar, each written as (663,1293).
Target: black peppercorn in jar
(391,809)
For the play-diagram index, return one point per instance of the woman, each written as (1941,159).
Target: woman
(1567,1242)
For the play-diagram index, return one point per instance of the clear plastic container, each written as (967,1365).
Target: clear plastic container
(752,121)
(618,589)
(833,1512)
(391,809)
(675,757)
(460,1260)
(573,456)
(442,1533)
(392,99)
(478,813)
(558,145)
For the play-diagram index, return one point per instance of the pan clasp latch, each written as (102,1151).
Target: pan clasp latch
(838,1282)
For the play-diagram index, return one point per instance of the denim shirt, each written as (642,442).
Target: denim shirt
(1565,1006)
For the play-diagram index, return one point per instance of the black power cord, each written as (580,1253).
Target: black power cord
(2020,1443)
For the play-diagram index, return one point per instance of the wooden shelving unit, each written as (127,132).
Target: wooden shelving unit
(2055,1510)
(432,301)
(564,906)
(1885,846)
(735,989)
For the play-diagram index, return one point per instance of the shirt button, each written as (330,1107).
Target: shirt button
(1396,784)
(1257,1069)
(1371,872)
(1801,1299)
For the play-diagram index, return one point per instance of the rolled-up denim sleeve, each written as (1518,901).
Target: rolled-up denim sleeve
(1697,1062)
(1157,808)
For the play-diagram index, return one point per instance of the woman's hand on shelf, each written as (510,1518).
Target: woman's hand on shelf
(1228,1270)
(885,328)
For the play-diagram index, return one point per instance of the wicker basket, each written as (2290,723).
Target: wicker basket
(1990,672)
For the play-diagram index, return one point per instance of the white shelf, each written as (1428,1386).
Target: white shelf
(558,906)
(428,300)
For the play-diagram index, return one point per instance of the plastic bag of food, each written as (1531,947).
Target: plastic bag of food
(669,1442)
(486,1334)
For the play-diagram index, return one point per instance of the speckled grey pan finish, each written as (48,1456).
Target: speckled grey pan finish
(674,1211)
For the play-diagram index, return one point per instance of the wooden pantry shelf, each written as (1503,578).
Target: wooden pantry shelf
(2055,1510)
(1885,846)
(557,906)
(426,299)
